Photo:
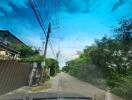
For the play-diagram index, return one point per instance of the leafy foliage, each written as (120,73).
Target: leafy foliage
(53,65)
(27,54)
(34,58)
(108,62)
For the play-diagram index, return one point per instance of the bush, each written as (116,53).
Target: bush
(45,78)
(123,87)
(34,58)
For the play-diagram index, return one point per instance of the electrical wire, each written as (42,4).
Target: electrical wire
(40,20)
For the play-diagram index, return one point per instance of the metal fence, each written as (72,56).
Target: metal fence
(13,75)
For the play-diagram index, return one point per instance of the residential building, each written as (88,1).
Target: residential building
(7,40)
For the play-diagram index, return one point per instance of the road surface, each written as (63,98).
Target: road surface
(68,84)
(64,83)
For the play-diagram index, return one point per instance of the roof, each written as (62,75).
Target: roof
(11,35)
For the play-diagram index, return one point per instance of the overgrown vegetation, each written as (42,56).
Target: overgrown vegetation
(53,65)
(27,54)
(107,63)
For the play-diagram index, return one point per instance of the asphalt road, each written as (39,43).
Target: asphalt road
(65,85)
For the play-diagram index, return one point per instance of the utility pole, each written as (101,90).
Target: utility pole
(40,21)
(47,40)
(57,55)
(45,48)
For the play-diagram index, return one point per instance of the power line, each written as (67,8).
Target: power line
(52,49)
(47,16)
(50,44)
(46,10)
(40,20)
(56,4)
(51,41)
(37,16)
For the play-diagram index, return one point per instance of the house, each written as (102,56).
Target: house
(7,40)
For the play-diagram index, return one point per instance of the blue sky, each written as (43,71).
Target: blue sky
(80,22)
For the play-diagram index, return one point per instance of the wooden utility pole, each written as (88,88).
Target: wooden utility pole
(57,55)
(47,35)
(45,49)
(47,40)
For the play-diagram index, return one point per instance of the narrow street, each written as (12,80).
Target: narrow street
(64,83)
(65,49)
(69,84)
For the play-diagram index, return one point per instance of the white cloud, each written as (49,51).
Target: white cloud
(6,7)
(70,46)
(20,3)
(68,49)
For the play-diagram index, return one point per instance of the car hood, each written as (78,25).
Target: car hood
(45,96)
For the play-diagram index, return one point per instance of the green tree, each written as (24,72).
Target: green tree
(124,33)
(107,62)
(27,54)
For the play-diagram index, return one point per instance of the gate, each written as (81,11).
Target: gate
(13,74)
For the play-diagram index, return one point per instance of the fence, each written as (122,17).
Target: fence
(13,75)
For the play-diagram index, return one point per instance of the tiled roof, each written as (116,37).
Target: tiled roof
(11,35)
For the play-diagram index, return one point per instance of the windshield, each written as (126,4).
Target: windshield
(68,49)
